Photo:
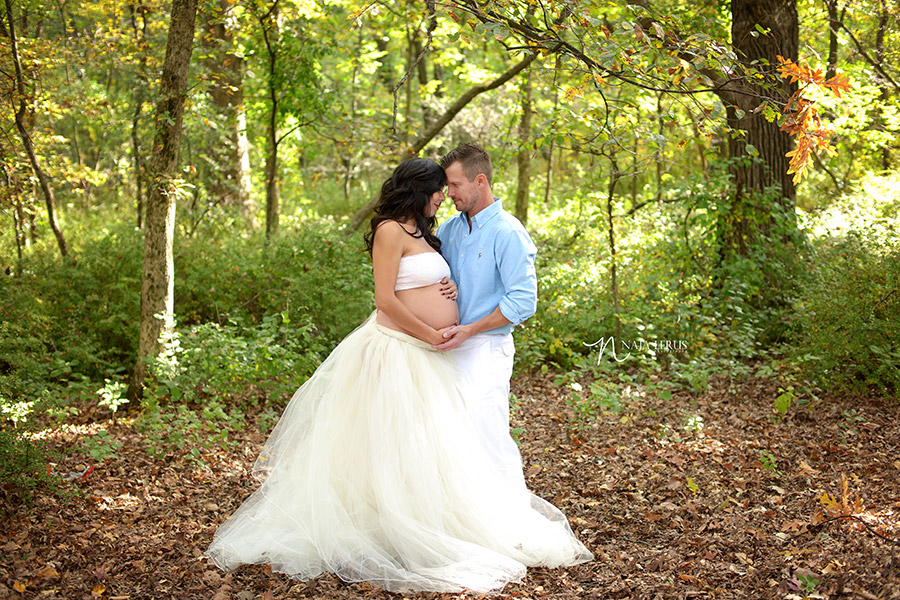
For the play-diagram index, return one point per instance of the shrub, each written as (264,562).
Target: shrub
(848,333)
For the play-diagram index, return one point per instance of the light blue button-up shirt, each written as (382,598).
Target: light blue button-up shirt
(493,265)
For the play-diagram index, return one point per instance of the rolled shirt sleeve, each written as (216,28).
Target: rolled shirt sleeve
(515,254)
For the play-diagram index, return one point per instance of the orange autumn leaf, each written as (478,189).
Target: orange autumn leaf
(801,117)
(837,84)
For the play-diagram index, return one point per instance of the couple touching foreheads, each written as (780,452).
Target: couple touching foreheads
(393,463)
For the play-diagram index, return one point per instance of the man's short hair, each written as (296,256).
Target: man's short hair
(474,160)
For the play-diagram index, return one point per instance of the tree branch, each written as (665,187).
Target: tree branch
(363,213)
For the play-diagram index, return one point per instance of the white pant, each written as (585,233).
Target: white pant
(487,360)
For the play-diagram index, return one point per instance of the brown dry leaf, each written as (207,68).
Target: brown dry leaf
(48,572)
(19,587)
(806,469)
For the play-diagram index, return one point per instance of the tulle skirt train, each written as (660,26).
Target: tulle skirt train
(374,473)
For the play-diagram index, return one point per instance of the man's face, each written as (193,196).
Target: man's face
(463,192)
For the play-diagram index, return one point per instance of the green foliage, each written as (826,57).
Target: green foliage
(100,446)
(65,325)
(848,329)
(769,462)
(306,268)
(250,362)
(184,429)
(24,464)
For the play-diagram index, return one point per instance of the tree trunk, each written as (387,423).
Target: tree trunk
(834,25)
(158,282)
(140,38)
(27,142)
(422,69)
(614,176)
(268,24)
(231,183)
(753,175)
(523,158)
(883,19)
(780,18)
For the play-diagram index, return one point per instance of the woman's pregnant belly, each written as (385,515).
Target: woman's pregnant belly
(428,304)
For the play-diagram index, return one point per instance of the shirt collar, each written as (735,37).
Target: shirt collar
(484,215)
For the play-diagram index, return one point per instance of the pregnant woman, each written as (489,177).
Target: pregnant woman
(375,472)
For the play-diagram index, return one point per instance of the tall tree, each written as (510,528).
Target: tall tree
(230,175)
(27,142)
(523,157)
(158,282)
(139,31)
(291,83)
(761,31)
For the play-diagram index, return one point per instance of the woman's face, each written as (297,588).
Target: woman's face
(434,203)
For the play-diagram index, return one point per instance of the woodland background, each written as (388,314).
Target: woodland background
(714,186)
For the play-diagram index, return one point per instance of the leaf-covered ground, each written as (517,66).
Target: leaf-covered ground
(694,497)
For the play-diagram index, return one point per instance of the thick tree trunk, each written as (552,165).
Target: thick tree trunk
(523,158)
(779,17)
(748,219)
(27,142)
(158,282)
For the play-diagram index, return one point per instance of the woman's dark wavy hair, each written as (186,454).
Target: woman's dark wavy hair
(405,195)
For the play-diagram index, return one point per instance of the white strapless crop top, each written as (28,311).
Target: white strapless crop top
(419,270)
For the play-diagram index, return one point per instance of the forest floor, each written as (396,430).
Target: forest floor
(705,496)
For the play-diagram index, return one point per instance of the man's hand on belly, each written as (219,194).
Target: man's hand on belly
(455,336)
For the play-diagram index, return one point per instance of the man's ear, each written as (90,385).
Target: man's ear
(481,179)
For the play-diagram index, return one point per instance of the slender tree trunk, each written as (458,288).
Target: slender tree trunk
(523,158)
(17,214)
(245,185)
(272,192)
(549,183)
(140,38)
(269,24)
(422,69)
(158,282)
(834,25)
(138,161)
(883,19)
(27,142)
(614,176)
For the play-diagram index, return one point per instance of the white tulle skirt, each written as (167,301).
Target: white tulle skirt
(375,473)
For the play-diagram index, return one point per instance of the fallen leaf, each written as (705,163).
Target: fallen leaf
(48,572)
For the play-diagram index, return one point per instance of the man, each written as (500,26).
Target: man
(491,258)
